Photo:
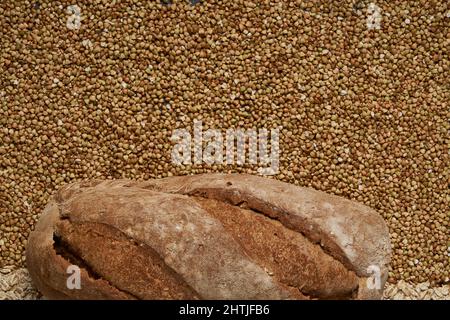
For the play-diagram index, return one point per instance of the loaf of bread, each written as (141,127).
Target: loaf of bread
(211,236)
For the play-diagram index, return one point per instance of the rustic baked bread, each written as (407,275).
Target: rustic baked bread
(211,236)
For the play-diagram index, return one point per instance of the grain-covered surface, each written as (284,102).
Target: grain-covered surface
(363,111)
(421,291)
(16,284)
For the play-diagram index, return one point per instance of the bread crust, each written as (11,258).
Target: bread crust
(212,236)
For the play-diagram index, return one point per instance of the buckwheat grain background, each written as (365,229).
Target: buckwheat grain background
(363,111)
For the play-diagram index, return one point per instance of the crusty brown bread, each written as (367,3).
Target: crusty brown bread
(212,236)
